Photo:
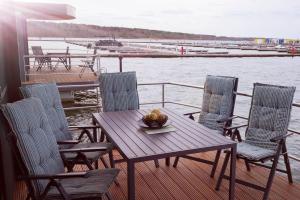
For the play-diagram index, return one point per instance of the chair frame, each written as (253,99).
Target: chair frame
(42,59)
(226,123)
(54,179)
(280,150)
(88,64)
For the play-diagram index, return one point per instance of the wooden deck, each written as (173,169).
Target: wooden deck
(191,180)
(60,76)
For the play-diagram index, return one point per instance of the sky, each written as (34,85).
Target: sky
(242,18)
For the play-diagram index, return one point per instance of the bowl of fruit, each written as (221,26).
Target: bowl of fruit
(155,119)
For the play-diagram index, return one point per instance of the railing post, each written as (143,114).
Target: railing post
(163,94)
(120,63)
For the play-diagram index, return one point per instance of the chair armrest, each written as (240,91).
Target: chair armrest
(280,137)
(84,127)
(67,142)
(192,113)
(226,119)
(82,150)
(55,176)
(235,127)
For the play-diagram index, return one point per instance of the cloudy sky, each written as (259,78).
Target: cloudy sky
(255,18)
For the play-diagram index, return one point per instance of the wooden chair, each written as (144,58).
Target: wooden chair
(119,93)
(35,146)
(265,134)
(50,98)
(217,111)
(40,58)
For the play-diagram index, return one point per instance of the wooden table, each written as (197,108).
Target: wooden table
(122,129)
(63,58)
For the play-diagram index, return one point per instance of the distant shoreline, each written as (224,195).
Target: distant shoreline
(69,30)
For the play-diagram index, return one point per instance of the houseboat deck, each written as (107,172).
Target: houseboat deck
(191,180)
(60,76)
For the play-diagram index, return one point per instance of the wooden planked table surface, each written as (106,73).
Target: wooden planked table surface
(122,129)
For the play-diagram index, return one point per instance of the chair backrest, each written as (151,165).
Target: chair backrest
(218,100)
(50,98)
(119,91)
(38,51)
(269,114)
(35,140)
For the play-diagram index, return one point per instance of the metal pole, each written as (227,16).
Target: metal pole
(163,95)
(120,63)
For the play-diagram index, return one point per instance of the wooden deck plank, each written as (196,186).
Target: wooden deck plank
(190,180)
(60,76)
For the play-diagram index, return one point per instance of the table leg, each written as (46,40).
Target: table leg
(232,172)
(130,180)
(168,161)
(69,62)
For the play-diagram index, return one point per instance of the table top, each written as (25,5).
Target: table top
(123,130)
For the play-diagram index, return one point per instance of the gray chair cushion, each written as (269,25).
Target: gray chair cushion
(269,114)
(91,187)
(36,141)
(119,91)
(50,97)
(92,156)
(218,100)
(253,152)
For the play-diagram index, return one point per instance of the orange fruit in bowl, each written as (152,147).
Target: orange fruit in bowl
(156,111)
(153,116)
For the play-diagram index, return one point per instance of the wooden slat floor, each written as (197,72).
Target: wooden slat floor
(60,75)
(191,180)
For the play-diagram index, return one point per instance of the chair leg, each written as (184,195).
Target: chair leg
(247,165)
(108,196)
(272,172)
(223,170)
(168,161)
(156,163)
(176,161)
(113,165)
(104,162)
(96,164)
(213,170)
(287,163)
(111,159)
(239,138)
(102,137)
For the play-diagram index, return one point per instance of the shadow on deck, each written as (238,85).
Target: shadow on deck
(191,180)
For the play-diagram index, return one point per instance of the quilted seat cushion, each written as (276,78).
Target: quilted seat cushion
(50,98)
(269,114)
(119,91)
(218,100)
(90,187)
(36,141)
(253,152)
